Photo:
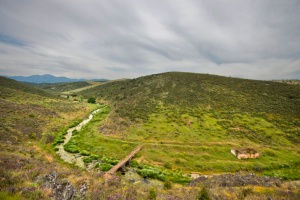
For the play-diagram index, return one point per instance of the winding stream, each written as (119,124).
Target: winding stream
(74,158)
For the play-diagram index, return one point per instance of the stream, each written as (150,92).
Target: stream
(74,158)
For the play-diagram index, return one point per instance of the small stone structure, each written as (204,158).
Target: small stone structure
(245,153)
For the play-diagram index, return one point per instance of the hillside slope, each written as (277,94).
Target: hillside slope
(190,122)
(220,99)
(27,112)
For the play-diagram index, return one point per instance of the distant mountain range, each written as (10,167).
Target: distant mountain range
(48,78)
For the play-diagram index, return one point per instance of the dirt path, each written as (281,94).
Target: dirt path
(92,85)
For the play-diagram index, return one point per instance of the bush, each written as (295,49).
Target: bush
(88,160)
(85,153)
(167,184)
(91,100)
(71,148)
(168,165)
(110,161)
(105,167)
(203,195)
(152,194)
(74,132)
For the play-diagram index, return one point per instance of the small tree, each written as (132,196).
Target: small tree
(91,100)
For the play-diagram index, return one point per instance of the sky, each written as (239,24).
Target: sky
(253,39)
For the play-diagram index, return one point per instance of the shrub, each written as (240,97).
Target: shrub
(167,184)
(105,167)
(246,191)
(203,195)
(90,158)
(91,100)
(152,194)
(71,148)
(168,165)
(85,153)
(87,160)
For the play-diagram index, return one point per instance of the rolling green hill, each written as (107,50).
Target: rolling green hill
(191,121)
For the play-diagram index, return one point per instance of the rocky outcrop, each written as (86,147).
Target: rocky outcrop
(245,153)
(63,189)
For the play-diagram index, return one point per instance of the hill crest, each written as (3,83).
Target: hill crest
(47,78)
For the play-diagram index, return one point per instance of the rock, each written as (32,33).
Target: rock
(63,189)
(83,189)
(245,153)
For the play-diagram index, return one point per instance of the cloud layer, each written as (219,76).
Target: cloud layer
(115,38)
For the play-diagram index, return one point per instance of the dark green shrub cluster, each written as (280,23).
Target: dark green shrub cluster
(106,163)
(111,161)
(71,146)
(90,158)
(163,175)
(60,138)
(105,167)
(85,153)
(92,100)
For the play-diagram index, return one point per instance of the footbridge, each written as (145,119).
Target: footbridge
(121,165)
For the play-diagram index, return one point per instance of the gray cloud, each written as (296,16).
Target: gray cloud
(115,39)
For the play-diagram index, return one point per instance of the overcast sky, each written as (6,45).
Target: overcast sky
(256,39)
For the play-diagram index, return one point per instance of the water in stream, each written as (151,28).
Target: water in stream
(74,158)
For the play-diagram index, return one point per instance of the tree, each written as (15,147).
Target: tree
(91,100)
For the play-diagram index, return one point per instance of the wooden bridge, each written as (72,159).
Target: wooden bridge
(121,165)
